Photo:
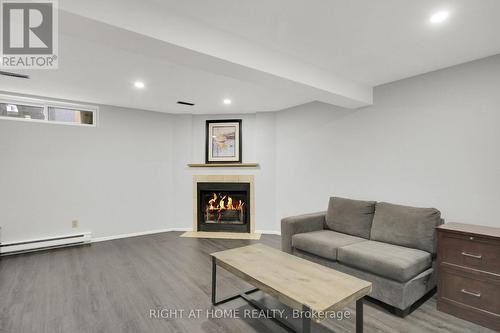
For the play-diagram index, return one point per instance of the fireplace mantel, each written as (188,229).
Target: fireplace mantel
(223,165)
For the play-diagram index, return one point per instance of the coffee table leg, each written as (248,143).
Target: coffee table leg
(306,319)
(359,315)
(214,279)
(214,287)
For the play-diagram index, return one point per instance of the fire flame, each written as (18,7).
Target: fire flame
(216,204)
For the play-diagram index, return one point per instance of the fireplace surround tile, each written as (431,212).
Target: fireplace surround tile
(221,235)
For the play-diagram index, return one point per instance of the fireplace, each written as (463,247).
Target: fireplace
(223,206)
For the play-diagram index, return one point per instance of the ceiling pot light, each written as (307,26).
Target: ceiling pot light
(227,101)
(439,17)
(139,84)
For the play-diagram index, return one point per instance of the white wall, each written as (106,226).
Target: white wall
(432,140)
(116,178)
(258,146)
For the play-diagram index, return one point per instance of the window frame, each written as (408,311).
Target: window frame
(45,104)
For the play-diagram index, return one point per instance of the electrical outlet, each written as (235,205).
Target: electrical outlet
(75,223)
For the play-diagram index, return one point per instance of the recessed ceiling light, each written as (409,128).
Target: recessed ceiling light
(139,84)
(227,101)
(439,16)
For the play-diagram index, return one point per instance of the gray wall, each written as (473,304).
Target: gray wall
(116,178)
(258,146)
(432,140)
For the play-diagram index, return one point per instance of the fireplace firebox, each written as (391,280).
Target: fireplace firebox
(223,207)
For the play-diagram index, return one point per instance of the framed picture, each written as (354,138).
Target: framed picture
(223,141)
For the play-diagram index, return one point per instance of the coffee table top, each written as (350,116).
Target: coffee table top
(293,280)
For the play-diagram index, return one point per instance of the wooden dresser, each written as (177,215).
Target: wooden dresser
(469,273)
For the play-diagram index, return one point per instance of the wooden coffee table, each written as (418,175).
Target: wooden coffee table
(298,283)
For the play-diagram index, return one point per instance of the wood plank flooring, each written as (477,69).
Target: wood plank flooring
(113,286)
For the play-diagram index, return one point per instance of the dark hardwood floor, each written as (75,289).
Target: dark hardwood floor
(112,287)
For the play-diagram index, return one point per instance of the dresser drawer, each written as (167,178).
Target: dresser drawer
(470,289)
(470,251)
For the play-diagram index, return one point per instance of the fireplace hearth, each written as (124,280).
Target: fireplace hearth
(223,207)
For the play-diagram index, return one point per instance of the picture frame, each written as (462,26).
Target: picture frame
(223,141)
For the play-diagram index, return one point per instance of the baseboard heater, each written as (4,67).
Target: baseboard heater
(45,243)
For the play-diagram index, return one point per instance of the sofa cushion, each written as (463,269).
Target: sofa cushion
(406,226)
(323,243)
(386,260)
(353,217)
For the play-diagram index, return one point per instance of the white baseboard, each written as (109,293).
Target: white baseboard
(149,232)
(268,232)
(157,231)
(181,229)
(135,234)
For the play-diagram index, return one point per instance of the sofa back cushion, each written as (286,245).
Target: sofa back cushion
(353,217)
(406,226)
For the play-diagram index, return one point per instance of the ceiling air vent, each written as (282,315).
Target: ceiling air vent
(185,103)
(21,76)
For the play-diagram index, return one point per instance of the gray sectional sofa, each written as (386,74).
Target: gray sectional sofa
(390,245)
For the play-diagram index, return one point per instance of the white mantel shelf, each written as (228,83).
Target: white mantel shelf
(223,165)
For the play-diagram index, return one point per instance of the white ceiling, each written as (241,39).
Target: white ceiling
(99,64)
(372,42)
(265,55)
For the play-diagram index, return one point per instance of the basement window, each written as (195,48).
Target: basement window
(73,116)
(20,111)
(24,109)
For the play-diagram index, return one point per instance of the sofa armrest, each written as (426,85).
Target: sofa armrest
(299,224)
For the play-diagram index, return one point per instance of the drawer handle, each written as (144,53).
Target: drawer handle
(471,293)
(472,255)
